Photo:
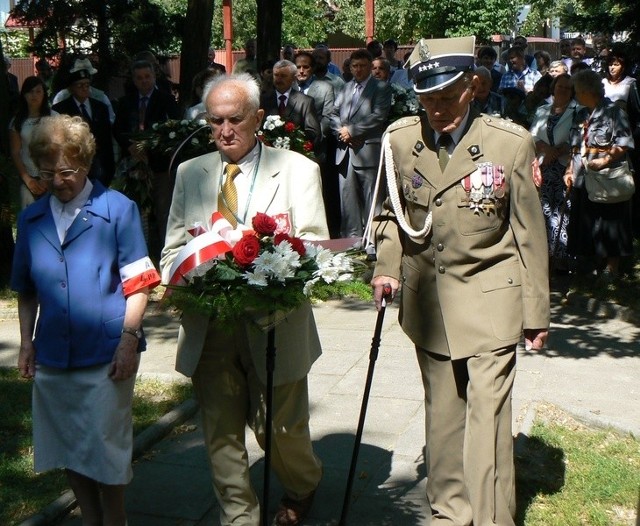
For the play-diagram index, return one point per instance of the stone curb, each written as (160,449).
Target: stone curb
(141,443)
(603,309)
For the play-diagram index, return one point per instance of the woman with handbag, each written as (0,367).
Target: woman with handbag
(550,130)
(600,223)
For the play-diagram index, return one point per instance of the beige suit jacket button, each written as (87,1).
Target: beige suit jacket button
(438,202)
(441,269)
(440,247)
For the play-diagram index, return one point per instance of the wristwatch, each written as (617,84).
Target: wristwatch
(134,332)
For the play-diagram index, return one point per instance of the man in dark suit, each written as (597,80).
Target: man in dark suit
(463,231)
(321,91)
(96,115)
(289,103)
(138,111)
(359,118)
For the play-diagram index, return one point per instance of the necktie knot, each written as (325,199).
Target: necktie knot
(232,170)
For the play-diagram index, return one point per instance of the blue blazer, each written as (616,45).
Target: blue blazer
(78,282)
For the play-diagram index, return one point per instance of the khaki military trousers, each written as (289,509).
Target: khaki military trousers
(230,397)
(470,469)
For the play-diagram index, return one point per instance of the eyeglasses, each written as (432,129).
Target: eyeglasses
(48,175)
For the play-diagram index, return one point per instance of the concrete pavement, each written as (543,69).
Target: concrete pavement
(590,368)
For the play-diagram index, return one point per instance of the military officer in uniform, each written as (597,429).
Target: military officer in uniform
(463,231)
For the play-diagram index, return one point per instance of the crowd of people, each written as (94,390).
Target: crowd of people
(477,196)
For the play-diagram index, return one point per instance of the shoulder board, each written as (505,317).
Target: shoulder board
(403,122)
(504,124)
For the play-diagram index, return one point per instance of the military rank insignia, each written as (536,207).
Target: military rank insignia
(485,188)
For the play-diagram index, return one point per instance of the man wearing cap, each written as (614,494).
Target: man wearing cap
(84,64)
(358,120)
(463,231)
(96,115)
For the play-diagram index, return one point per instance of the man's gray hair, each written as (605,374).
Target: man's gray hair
(286,64)
(481,71)
(242,81)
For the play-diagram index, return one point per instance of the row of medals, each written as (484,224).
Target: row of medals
(484,187)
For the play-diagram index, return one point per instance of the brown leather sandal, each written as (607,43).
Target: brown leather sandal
(292,512)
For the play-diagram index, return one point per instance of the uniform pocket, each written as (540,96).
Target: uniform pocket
(502,298)
(472,220)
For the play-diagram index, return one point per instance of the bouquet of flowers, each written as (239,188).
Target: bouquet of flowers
(260,272)
(164,138)
(177,139)
(286,135)
(403,103)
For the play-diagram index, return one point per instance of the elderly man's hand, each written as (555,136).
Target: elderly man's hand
(535,339)
(378,284)
(125,360)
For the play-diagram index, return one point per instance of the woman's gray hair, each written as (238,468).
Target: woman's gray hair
(293,69)
(588,81)
(242,81)
(62,133)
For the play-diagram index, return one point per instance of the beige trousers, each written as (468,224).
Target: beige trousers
(470,469)
(230,396)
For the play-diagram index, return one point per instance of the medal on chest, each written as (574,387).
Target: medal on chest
(484,188)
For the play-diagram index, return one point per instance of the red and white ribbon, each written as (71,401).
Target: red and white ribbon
(208,244)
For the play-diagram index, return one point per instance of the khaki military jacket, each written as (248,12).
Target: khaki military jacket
(481,274)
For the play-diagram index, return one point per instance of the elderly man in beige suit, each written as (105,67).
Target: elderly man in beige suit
(464,233)
(227,365)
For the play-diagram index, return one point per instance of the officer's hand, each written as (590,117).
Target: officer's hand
(534,339)
(378,284)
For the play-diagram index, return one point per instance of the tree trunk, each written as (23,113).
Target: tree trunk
(196,38)
(105,68)
(269,30)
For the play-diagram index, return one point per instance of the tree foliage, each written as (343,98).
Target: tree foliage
(117,27)
(605,16)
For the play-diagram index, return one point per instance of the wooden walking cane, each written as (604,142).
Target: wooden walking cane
(373,356)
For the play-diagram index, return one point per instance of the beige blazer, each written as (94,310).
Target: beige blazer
(478,278)
(286,182)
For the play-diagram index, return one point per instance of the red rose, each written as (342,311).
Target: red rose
(246,250)
(289,127)
(307,146)
(296,243)
(264,224)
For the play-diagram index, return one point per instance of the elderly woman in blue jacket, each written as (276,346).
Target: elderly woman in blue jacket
(83,277)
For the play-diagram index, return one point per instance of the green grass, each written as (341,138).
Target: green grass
(573,475)
(22,492)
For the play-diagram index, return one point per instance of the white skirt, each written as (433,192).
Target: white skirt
(82,422)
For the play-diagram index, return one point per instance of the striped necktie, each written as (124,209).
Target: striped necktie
(228,197)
